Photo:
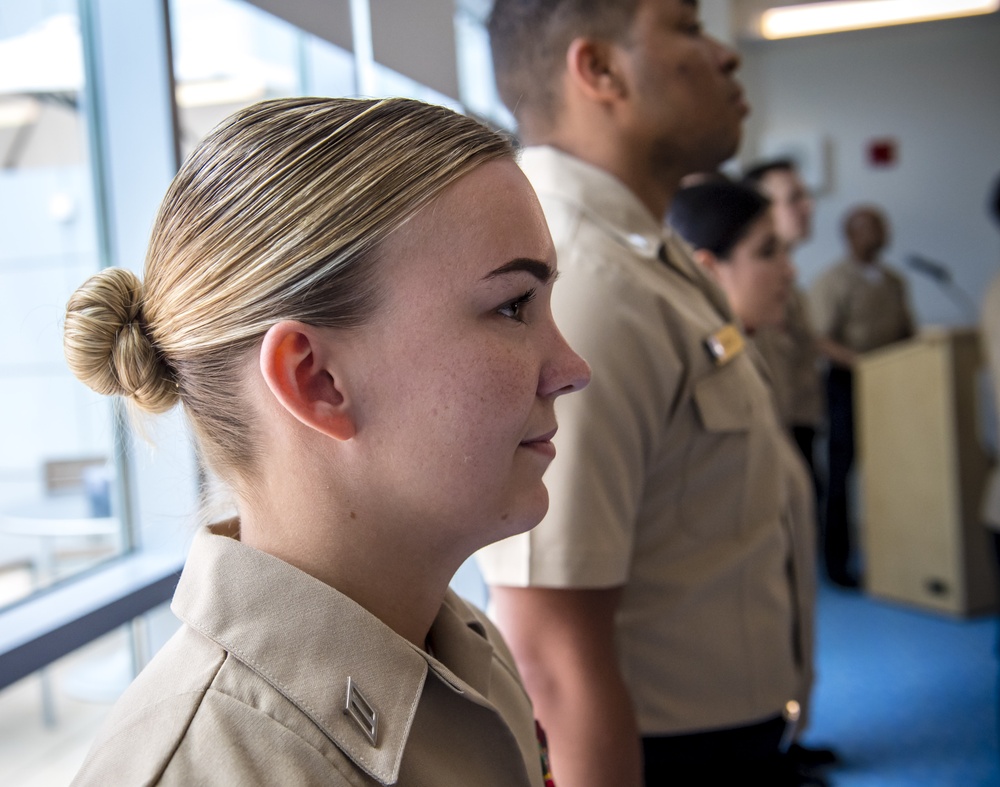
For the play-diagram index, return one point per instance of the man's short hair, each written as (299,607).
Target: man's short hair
(529,39)
(860,211)
(756,172)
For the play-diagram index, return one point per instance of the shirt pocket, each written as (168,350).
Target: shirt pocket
(722,400)
(713,504)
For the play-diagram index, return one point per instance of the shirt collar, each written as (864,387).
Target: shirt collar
(607,201)
(611,205)
(305,639)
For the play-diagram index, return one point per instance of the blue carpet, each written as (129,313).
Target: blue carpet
(906,697)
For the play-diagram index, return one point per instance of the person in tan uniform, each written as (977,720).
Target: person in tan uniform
(368,358)
(735,232)
(731,230)
(790,348)
(652,612)
(989,334)
(857,305)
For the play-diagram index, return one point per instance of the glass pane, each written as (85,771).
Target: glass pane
(257,58)
(57,515)
(475,69)
(386,82)
(329,70)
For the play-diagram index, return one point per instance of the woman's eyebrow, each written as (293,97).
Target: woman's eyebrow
(540,270)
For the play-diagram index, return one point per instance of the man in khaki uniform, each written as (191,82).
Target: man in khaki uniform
(652,612)
(857,305)
(792,357)
(989,329)
(230,695)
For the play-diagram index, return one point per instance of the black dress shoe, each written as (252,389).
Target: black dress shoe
(809,758)
(845,580)
(781,771)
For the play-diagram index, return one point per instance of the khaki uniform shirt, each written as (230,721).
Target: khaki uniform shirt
(989,327)
(252,691)
(669,475)
(793,361)
(861,306)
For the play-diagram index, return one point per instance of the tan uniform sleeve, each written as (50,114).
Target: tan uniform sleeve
(607,434)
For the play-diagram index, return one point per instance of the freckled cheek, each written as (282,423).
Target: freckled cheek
(496,397)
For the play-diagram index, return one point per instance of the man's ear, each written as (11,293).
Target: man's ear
(591,65)
(296,361)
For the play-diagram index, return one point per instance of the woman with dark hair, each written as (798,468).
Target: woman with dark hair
(732,232)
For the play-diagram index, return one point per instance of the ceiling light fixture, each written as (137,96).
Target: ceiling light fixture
(836,17)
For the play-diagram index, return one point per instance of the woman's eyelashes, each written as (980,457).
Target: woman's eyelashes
(514,309)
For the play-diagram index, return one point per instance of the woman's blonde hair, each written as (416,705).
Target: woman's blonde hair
(279,214)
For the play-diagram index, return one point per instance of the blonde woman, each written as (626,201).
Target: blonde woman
(350,299)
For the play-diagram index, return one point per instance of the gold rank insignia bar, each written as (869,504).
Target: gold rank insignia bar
(725,344)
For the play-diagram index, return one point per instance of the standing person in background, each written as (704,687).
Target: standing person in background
(651,613)
(790,348)
(791,351)
(989,328)
(735,233)
(732,232)
(857,305)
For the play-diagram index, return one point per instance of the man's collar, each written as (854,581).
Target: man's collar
(607,201)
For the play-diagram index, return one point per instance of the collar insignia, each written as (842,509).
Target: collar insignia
(361,712)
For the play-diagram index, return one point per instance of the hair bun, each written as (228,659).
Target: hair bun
(107,345)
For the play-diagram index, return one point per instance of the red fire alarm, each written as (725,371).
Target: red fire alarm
(883,152)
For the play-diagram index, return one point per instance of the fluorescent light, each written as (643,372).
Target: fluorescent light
(835,17)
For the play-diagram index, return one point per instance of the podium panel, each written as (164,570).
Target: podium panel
(923,471)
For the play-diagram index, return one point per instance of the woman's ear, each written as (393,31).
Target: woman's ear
(297,362)
(591,66)
(707,260)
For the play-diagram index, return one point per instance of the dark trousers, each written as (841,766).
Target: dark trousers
(740,755)
(996,553)
(805,437)
(840,458)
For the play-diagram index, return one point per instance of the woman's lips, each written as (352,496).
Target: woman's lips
(542,444)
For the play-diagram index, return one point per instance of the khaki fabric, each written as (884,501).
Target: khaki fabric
(252,691)
(670,475)
(861,306)
(801,521)
(989,328)
(793,361)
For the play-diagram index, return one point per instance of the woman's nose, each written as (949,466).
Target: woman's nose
(566,371)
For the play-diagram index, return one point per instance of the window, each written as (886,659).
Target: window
(259,57)
(58,510)
(60,447)
(475,65)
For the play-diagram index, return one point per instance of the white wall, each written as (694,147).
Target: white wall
(935,88)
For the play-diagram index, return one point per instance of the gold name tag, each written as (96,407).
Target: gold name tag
(725,344)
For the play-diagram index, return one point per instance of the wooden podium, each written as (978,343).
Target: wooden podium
(922,472)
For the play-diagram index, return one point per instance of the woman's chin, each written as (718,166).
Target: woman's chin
(528,514)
